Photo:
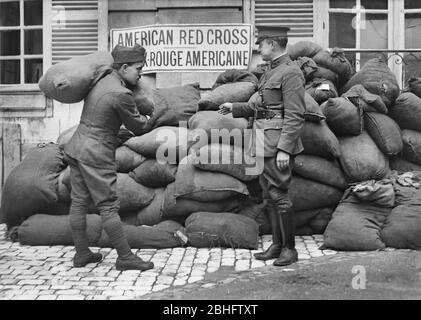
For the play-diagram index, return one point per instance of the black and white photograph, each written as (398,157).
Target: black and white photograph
(205,158)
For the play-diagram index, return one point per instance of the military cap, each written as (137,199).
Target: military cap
(122,54)
(265,32)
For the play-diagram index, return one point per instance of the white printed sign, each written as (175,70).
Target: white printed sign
(198,47)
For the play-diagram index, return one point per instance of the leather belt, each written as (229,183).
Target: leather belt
(267,113)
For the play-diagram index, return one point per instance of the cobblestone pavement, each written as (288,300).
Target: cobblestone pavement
(46,272)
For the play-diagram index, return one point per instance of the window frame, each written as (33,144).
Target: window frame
(358,11)
(46,49)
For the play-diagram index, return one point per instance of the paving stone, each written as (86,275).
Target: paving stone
(179,282)
(31,282)
(159,287)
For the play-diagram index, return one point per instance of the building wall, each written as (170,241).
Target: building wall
(34,119)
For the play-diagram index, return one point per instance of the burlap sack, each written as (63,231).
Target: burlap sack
(320,170)
(356,226)
(307,194)
(407,111)
(223,229)
(384,131)
(32,185)
(319,140)
(361,159)
(127,159)
(71,80)
(377,78)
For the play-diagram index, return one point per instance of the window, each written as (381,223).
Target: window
(363,27)
(21,41)
(296,14)
(412,39)
(359,24)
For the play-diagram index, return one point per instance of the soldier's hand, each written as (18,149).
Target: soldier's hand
(282,160)
(225,108)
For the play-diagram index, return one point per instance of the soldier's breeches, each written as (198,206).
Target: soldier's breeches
(275,183)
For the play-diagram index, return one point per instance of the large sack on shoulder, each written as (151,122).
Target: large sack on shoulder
(407,111)
(321,90)
(223,158)
(168,141)
(151,214)
(337,62)
(343,117)
(208,230)
(412,146)
(319,140)
(377,78)
(70,81)
(127,159)
(195,184)
(402,165)
(171,105)
(32,185)
(303,49)
(230,86)
(160,236)
(356,226)
(415,86)
(49,230)
(153,174)
(308,194)
(402,229)
(320,170)
(368,101)
(384,131)
(176,207)
(361,159)
(131,194)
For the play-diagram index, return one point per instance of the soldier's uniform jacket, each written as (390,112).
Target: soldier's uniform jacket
(281,89)
(108,105)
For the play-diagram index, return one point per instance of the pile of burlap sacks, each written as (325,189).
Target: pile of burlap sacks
(351,143)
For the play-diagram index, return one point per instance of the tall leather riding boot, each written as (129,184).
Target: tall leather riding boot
(276,247)
(288,254)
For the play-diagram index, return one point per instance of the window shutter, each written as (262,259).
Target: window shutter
(74,28)
(295,14)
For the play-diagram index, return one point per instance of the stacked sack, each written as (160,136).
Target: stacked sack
(157,198)
(168,181)
(376,214)
(360,129)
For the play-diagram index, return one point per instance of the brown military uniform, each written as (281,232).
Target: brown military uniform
(281,91)
(91,151)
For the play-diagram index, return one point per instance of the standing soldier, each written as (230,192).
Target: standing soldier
(279,111)
(91,156)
